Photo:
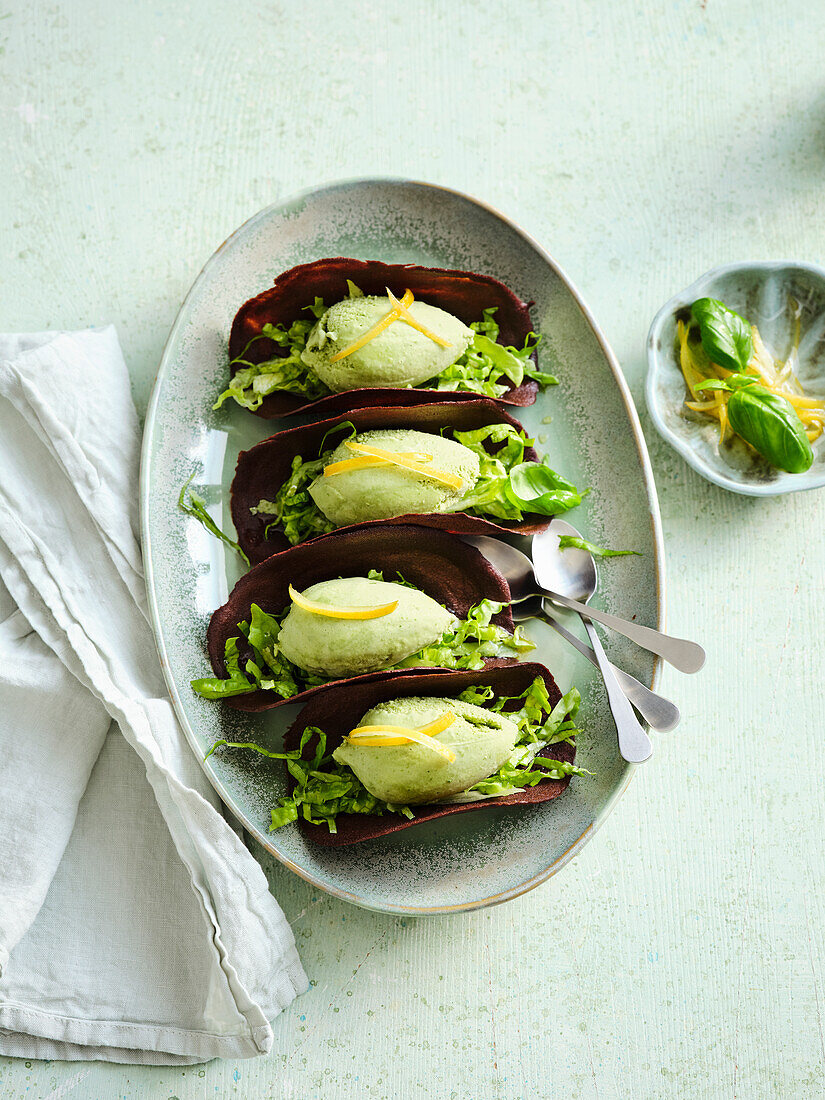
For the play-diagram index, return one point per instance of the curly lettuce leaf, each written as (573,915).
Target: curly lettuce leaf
(574,542)
(323,788)
(195,507)
(485,368)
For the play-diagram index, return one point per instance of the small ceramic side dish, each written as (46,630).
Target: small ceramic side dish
(767,294)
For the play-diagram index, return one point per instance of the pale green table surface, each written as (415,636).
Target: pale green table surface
(680,955)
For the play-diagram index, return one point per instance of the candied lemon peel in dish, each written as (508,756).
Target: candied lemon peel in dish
(364,462)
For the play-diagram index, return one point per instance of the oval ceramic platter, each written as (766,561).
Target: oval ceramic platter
(587,425)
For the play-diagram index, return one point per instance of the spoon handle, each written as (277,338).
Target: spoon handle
(657,711)
(634,744)
(682,654)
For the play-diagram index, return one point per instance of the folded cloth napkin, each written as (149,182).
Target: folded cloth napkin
(134,924)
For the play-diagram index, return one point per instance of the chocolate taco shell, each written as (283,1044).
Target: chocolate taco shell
(338,708)
(265,467)
(462,293)
(437,562)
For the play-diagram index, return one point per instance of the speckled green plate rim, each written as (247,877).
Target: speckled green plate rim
(653,509)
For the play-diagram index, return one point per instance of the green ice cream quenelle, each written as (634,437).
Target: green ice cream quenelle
(397,357)
(380,492)
(411,774)
(338,647)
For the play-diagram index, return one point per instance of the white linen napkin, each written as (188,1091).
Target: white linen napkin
(134,924)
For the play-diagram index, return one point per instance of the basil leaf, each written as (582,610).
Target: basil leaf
(726,337)
(534,487)
(770,424)
(575,543)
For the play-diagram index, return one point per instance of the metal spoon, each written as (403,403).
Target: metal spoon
(570,577)
(659,712)
(634,744)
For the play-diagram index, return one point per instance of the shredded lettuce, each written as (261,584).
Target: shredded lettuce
(378,575)
(323,788)
(266,669)
(522,769)
(529,717)
(485,367)
(255,381)
(463,647)
(293,509)
(471,641)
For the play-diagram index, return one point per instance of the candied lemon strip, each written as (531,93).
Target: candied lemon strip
(386,735)
(364,462)
(377,328)
(396,459)
(408,319)
(332,612)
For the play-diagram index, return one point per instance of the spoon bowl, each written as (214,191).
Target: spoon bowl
(571,572)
